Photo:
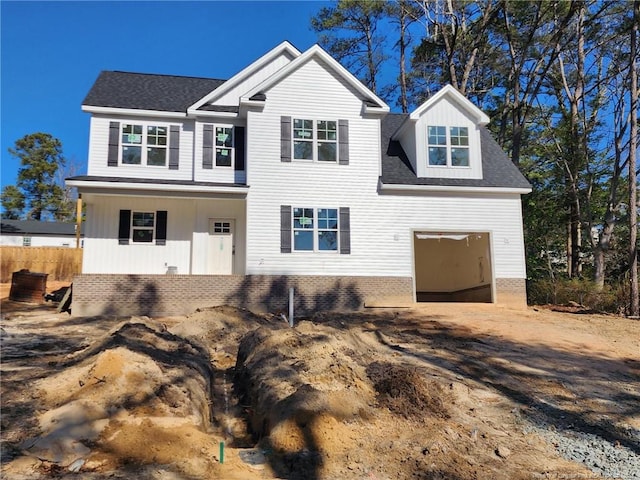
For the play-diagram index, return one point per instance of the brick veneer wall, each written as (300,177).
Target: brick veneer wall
(156,295)
(511,292)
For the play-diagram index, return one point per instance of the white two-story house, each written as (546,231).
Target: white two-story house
(291,174)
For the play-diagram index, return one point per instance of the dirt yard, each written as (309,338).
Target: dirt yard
(444,391)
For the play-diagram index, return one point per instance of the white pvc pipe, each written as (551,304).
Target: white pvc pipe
(291,307)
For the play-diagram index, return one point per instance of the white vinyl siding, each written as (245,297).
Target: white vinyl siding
(233,95)
(187,234)
(414,141)
(215,174)
(99,146)
(381,225)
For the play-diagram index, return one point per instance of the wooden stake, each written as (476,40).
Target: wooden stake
(78,221)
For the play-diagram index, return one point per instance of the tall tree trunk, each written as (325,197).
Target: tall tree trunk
(634,303)
(575,155)
(403,46)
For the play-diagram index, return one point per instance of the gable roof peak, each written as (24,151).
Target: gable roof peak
(317,51)
(450,92)
(284,48)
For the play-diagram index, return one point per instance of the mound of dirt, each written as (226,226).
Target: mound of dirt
(380,395)
(131,397)
(405,392)
(298,374)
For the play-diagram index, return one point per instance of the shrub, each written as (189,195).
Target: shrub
(611,299)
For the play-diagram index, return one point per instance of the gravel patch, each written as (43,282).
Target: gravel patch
(599,455)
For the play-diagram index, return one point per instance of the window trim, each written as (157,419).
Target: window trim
(216,147)
(134,228)
(315,140)
(448,146)
(315,230)
(26,241)
(144,144)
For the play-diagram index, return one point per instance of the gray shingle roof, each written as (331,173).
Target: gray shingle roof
(497,169)
(34,227)
(167,93)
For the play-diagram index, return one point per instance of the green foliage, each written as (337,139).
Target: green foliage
(456,49)
(41,157)
(349,32)
(554,78)
(13,203)
(614,298)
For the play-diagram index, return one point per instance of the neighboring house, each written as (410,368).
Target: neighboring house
(32,233)
(291,174)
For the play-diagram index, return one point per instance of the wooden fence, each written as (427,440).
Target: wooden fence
(61,263)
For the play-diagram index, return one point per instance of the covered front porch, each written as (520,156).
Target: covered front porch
(160,228)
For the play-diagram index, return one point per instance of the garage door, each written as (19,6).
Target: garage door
(453,267)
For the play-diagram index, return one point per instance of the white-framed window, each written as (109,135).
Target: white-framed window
(447,146)
(224,146)
(315,229)
(26,241)
(315,140)
(142,227)
(144,144)
(222,227)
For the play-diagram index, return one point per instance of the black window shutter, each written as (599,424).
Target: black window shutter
(207,146)
(345,230)
(124,228)
(343,140)
(174,147)
(239,144)
(285,139)
(285,228)
(114,144)
(161,227)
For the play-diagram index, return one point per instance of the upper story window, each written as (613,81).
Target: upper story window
(144,144)
(315,140)
(448,146)
(315,229)
(224,146)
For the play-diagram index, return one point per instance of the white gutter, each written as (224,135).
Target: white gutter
(376,110)
(132,111)
(155,187)
(391,187)
(210,113)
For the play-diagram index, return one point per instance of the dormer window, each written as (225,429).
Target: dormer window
(448,146)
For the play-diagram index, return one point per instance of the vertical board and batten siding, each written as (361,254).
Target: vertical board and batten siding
(187,235)
(381,225)
(445,113)
(232,97)
(214,174)
(101,236)
(99,148)
(221,209)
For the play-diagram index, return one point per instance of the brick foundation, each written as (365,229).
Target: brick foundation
(511,292)
(157,295)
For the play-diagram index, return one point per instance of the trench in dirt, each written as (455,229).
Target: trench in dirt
(310,400)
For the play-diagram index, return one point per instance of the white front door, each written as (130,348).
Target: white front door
(221,247)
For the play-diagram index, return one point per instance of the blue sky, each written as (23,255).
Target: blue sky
(52,52)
